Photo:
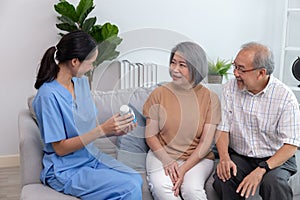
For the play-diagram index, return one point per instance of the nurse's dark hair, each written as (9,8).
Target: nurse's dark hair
(77,44)
(195,58)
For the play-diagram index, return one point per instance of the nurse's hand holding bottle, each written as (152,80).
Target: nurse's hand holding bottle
(118,125)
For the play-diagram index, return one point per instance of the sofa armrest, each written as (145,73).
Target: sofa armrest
(295,179)
(31,149)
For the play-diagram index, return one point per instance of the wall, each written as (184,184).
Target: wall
(28,29)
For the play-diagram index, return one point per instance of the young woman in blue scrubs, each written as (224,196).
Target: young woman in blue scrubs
(66,116)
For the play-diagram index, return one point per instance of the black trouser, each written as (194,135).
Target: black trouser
(274,184)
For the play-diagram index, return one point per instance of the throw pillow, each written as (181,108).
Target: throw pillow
(132,147)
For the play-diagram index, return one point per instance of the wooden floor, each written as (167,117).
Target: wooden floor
(10,183)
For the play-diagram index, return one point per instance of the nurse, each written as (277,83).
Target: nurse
(66,117)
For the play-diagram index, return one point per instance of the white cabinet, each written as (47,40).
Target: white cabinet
(290,44)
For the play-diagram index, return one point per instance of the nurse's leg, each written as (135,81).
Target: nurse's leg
(105,183)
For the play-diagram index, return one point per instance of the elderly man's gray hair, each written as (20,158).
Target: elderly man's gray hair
(263,57)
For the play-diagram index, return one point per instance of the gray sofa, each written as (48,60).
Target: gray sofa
(130,149)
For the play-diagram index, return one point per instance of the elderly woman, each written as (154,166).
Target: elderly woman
(181,121)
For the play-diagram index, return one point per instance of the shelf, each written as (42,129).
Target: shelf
(293,10)
(294,88)
(292,48)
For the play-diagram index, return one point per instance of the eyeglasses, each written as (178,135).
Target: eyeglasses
(241,71)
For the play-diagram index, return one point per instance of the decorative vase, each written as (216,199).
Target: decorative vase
(215,79)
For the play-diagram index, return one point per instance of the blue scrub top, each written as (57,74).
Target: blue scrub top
(61,117)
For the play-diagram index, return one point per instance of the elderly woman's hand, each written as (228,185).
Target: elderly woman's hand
(171,170)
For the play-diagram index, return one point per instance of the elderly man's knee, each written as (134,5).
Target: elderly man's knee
(274,182)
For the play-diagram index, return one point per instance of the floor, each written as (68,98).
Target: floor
(10,183)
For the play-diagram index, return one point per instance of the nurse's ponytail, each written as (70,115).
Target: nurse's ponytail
(48,68)
(77,44)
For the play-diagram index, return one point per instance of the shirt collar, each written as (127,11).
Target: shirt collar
(271,80)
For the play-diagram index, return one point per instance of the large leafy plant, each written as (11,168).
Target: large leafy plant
(106,35)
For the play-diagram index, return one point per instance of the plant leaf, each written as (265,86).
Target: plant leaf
(95,32)
(65,19)
(88,24)
(107,39)
(83,10)
(220,67)
(106,51)
(66,9)
(66,27)
(72,19)
(115,40)
(109,30)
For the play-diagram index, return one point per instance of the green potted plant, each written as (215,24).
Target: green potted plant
(106,35)
(218,69)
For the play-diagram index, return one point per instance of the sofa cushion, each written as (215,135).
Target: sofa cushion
(40,191)
(131,149)
(108,103)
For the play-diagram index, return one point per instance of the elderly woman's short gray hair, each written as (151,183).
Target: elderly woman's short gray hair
(195,58)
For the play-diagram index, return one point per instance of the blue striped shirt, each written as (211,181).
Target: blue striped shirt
(260,124)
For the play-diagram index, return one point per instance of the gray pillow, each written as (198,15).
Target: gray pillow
(132,147)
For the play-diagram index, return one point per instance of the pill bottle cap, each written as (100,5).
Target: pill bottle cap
(124,109)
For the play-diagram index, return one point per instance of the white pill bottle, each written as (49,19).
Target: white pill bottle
(125,109)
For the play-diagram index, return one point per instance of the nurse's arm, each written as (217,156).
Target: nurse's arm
(113,126)
(70,145)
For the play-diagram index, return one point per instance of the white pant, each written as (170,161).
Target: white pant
(192,187)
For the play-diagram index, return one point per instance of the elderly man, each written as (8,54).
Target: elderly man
(260,130)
